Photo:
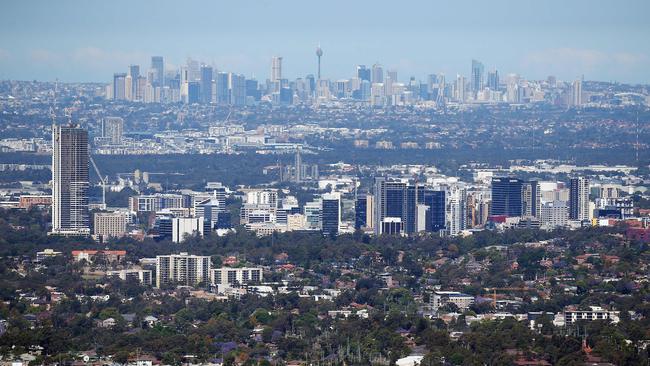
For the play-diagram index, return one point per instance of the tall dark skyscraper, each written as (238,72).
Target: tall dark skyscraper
(70,181)
(363,73)
(477,76)
(331,214)
(206,84)
(506,196)
(435,220)
(223,93)
(193,92)
(158,67)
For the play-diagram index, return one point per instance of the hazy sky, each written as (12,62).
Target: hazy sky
(90,40)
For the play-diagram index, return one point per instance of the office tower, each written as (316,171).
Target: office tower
(364,211)
(311,81)
(436,214)
(576,93)
(119,86)
(363,73)
(579,199)
(70,180)
(313,215)
(493,80)
(113,129)
(319,54)
(392,74)
(209,211)
(128,88)
(377,73)
(331,213)
(276,68)
(391,197)
(477,76)
(252,89)
(182,269)
(193,70)
(554,214)
(297,166)
(460,89)
(531,199)
(134,72)
(158,68)
(206,84)
(506,197)
(186,226)
(193,92)
(237,89)
(223,94)
(414,195)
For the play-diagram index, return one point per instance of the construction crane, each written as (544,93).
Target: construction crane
(102,180)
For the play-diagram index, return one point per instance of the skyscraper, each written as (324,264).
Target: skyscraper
(119,86)
(493,80)
(364,211)
(391,197)
(297,166)
(206,84)
(331,213)
(70,181)
(576,93)
(134,72)
(460,88)
(377,73)
(276,68)
(579,199)
(477,76)
(506,196)
(158,67)
(363,73)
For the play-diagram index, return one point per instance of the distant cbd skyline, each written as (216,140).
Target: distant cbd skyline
(89,41)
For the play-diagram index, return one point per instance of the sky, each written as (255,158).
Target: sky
(83,40)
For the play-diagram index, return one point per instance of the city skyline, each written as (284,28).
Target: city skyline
(528,39)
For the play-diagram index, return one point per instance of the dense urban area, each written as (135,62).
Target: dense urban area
(197,216)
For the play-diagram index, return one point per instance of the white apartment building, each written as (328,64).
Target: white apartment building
(182,269)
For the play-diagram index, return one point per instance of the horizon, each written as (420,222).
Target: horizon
(600,43)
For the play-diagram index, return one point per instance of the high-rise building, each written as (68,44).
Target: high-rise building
(391,200)
(436,219)
(113,129)
(460,89)
(477,76)
(377,74)
(206,84)
(506,197)
(297,166)
(182,269)
(579,199)
(223,94)
(119,86)
(70,180)
(576,93)
(363,73)
(134,72)
(237,89)
(109,224)
(193,92)
(531,199)
(364,211)
(158,67)
(493,80)
(276,68)
(331,213)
